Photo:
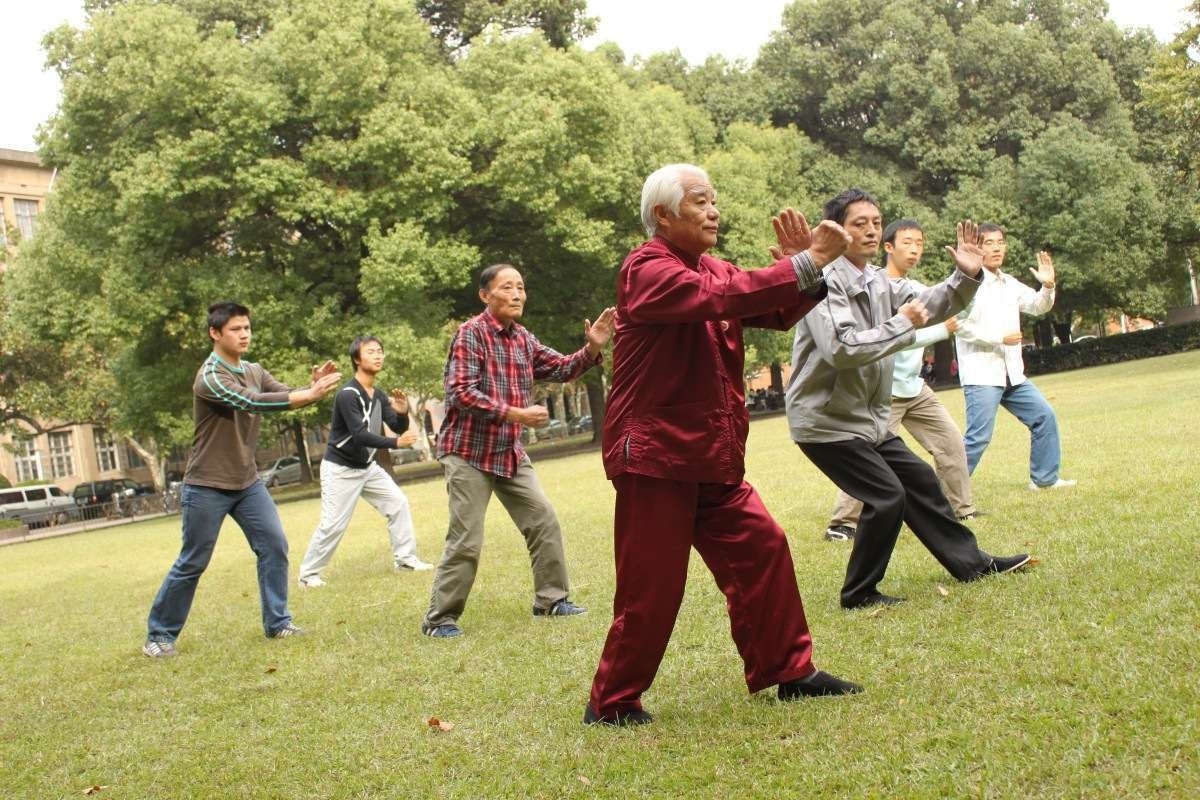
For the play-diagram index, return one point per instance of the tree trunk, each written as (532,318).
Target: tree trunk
(383,457)
(149,454)
(594,381)
(777,376)
(297,429)
(1063,329)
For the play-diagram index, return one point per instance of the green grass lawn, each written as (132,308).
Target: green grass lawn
(1078,679)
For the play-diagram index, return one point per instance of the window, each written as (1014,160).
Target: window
(3,226)
(26,211)
(62,460)
(106,450)
(28,461)
(132,459)
(11,498)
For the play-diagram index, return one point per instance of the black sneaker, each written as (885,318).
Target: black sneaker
(563,608)
(819,684)
(839,533)
(621,719)
(876,599)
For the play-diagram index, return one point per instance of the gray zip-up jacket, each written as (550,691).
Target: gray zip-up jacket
(841,382)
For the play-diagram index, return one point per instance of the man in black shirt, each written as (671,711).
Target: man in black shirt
(349,469)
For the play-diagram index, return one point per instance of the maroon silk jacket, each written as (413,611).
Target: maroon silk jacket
(677,407)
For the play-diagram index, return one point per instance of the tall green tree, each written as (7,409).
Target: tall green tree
(939,89)
(458,23)
(1169,120)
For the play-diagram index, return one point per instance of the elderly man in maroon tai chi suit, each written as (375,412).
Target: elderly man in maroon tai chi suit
(674,440)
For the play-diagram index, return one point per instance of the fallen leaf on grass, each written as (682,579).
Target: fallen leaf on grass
(943,591)
(269,670)
(1033,562)
(340,622)
(245,594)
(875,612)
(95,788)
(440,724)
(583,779)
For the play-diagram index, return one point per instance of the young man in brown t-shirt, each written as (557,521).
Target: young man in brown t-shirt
(221,479)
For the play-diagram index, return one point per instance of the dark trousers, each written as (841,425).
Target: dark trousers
(895,487)
(657,523)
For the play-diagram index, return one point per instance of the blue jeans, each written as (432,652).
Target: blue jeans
(1025,403)
(203,510)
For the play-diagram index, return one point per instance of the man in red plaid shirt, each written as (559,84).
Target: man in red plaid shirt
(489,379)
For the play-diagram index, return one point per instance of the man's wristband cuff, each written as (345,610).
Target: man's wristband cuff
(808,274)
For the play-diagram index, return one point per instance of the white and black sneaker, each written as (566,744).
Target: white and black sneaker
(839,533)
(412,564)
(159,649)
(291,629)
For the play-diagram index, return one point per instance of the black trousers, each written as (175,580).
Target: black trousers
(895,487)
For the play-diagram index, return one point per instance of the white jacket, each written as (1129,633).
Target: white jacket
(983,358)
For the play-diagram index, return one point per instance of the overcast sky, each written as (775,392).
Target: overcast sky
(641,27)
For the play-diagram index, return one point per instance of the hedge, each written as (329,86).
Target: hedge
(1113,349)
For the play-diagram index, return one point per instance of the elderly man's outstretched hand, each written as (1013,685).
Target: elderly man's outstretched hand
(791,229)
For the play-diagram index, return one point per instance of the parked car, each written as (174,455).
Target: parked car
(36,505)
(281,472)
(554,429)
(92,496)
(405,455)
(94,492)
(580,424)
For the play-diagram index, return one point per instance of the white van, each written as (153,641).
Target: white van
(43,503)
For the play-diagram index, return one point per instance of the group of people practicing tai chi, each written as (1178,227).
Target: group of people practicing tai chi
(674,434)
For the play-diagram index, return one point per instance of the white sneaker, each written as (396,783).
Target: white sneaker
(1058,484)
(412,564)
(312,583)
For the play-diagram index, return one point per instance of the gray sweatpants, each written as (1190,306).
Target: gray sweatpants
(340,489)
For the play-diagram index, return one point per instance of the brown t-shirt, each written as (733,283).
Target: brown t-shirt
(227,403)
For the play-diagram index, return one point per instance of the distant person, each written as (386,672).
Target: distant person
(914,404)
(674,437)
(839,397)
(489,377)
(221,479)
(349,469)
(992,370)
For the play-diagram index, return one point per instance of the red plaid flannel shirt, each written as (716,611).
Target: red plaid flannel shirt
(491,368)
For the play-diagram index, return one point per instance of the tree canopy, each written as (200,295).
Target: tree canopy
(345,168)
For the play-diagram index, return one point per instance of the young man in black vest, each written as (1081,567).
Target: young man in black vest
(349,469)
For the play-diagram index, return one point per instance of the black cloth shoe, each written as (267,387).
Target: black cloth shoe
(873,600)
(619,720)
(1003,564)
(819,684)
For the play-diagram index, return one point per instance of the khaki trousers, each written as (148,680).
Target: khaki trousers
(470,490)
(930,424)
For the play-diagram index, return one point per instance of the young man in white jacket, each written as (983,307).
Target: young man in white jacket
(990,366)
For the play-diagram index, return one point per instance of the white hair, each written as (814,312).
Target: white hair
(664,187)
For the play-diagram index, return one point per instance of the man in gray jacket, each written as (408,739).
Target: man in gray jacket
(839,397)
